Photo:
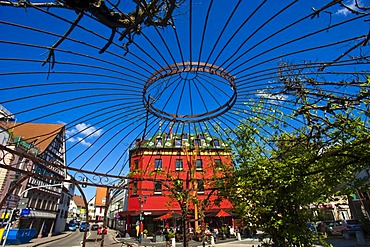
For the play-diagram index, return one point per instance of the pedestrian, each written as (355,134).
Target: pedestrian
(137,231)
(215,234)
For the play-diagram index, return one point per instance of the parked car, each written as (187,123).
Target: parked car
(72,226)
(84,225)
(94,227)
(102,230)
(339,227)
(352,226)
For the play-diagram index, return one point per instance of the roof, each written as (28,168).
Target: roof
(79,201)
(40,134)
(101,193)
(191,141)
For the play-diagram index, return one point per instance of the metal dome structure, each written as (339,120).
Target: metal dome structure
(116,72)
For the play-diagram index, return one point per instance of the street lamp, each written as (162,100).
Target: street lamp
(142,200)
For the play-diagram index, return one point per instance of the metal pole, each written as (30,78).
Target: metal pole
(8,227)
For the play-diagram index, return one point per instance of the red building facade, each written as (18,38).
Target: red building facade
(195,160)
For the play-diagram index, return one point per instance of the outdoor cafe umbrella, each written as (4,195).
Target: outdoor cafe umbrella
(223,213)
(169,215)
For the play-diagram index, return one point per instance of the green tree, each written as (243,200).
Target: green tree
(280,174)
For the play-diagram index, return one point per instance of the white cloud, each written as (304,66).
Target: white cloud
(83,142)
(71,139)
(351,4)
(81,132)
(273,98)
(88,130)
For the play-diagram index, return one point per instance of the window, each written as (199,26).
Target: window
(197,142)
(134,188)
(158,164)
(199,164)
(167,136)
(184,136)
(137,142)
(178,142)
(178,164)
(157,188)
(159,141)
(136,164)
(200,186)
(103,200)
(216,143)
(201,136)
(218,163)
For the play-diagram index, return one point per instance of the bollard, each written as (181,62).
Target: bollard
(239,237)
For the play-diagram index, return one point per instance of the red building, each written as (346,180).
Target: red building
(157,163)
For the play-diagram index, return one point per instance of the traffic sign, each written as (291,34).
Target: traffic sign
(25,212)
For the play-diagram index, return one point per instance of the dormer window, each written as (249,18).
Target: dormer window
(197,142)
(178,142)
(167,136)
(159,141)
(137,143)
(216,143)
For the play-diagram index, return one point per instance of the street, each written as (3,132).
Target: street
(75,239)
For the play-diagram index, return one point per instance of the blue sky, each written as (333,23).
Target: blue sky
(99,96)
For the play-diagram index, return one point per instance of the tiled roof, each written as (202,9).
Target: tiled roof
(101,193)
(79,201)
(41,135)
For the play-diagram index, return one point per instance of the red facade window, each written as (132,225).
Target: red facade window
(199,164)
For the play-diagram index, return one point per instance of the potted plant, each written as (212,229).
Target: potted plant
(171,237)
